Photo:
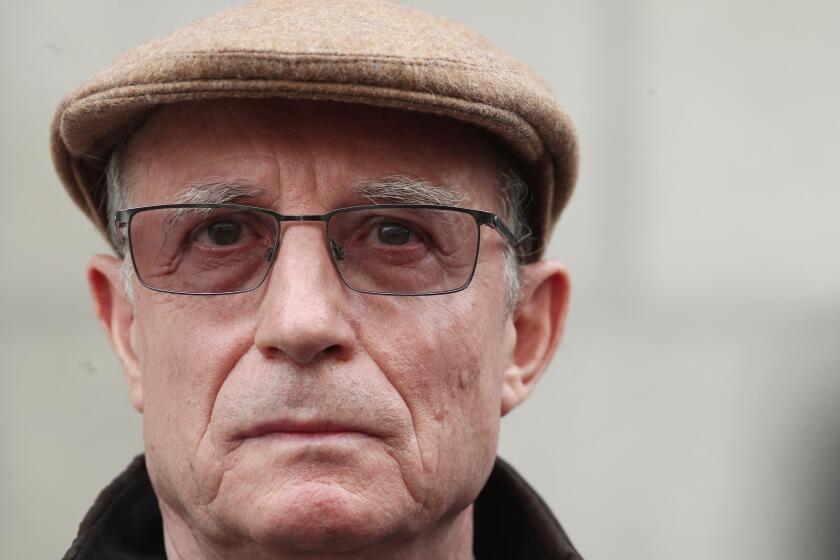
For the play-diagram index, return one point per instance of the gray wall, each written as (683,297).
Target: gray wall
(691,410)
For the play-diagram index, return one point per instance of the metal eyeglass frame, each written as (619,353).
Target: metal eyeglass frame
(123,219)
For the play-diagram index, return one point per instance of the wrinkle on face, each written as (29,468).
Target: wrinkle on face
(439,423)
(418,496)
(422,368)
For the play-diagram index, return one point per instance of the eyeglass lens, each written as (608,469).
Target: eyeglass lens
(220,250)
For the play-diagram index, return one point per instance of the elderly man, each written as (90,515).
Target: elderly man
(329,218)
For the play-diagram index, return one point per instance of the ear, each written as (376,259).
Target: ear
(116,314)
(538,325)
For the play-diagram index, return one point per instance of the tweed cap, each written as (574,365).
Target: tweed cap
(371,52)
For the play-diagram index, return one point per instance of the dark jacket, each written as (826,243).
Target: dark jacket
(511,521)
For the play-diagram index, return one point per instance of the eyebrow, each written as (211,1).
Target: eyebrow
(209,191)
(397,189)
(402,189)
(215,191)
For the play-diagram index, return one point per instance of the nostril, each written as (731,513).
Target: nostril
(271,352)
(304,356)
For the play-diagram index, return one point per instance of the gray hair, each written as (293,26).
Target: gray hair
(513,192)
(118,197)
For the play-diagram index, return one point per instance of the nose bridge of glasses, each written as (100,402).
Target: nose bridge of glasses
(302,218)
(293,239)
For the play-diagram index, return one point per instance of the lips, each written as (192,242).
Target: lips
(305,429)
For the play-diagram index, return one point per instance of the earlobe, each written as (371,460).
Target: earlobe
(116,315)
(538,324)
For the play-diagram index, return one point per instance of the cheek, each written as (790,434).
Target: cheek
(471,348)
(185,353)
(446,363)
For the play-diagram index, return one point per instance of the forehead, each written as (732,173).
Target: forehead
(317,150)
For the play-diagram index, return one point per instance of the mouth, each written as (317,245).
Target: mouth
(305,431)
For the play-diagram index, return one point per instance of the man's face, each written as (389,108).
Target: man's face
(304,411)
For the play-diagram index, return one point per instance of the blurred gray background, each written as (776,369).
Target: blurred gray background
(692,411)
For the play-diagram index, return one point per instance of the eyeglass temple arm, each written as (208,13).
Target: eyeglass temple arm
(121,218)
(496,223)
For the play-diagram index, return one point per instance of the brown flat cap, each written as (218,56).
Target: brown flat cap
(372,52)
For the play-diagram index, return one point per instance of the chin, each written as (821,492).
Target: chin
(323,516)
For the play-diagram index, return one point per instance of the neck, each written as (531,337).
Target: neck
(450,538)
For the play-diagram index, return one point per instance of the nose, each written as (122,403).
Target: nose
(303,312)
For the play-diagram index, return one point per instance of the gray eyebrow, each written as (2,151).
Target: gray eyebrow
(208,191)
(402,189)
(398,189)
(216,191)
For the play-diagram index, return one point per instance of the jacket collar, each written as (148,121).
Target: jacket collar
(511,521)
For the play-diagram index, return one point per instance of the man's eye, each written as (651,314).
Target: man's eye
(224,233)
(393,234)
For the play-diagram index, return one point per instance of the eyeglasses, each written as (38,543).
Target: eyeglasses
(389,249)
